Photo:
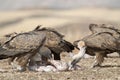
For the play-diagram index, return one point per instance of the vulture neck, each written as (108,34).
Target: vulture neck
(81,52)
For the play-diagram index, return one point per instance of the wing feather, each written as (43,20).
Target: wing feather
(102,40)
(22,43)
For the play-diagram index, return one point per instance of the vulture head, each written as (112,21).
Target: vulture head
(92,28)
(97,28)
(81,44)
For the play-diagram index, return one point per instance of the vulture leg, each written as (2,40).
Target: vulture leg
(10,60)
(99,58)
(22,60)
(32,62)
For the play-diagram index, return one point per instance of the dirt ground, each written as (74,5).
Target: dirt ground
(65,22)
(110,70)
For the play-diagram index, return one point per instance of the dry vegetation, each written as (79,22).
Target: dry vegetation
(74,25)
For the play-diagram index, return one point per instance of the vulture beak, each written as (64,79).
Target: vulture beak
(79,56)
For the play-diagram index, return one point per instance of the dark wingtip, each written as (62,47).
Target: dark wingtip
(37,28)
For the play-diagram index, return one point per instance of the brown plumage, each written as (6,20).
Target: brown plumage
(53,37)
(7,37)
(95,28)
(100,44)
(24,45)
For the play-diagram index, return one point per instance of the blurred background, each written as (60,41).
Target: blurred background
(69,17)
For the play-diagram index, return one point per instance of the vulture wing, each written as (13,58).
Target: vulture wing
(94,28)
(21,44)
(63,46)
(67,46)
(102,41)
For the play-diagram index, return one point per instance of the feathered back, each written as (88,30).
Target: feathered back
(102,41)
(27,41)
(38,28)
(95,28)
(4,39)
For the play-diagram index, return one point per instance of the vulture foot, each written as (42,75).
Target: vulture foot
(75,67)
(95,64)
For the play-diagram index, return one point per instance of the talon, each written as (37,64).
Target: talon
(95,65)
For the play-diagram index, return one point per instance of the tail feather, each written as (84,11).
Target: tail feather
(6,53)
(3,53)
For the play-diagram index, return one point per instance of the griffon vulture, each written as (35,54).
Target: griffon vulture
(95,28)
(25,45)
(100,44)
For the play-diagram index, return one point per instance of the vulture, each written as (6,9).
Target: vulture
(23,46)
(53,37)
(103,41)
(95,28)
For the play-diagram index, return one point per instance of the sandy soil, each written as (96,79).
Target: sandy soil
(110,70)
(74,25)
